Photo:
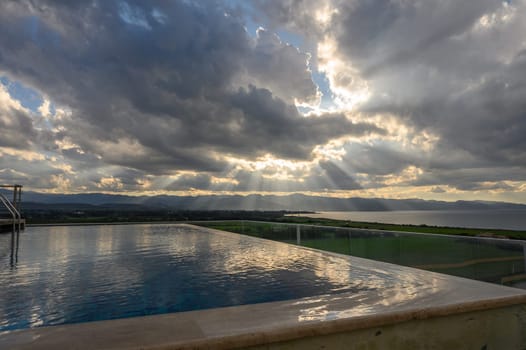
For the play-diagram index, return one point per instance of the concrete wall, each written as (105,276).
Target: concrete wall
(499,329)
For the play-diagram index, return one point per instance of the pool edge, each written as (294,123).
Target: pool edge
(230,327)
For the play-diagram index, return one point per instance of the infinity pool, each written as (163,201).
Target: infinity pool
(71,274)
(279,295)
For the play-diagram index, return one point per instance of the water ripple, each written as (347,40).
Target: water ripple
(78,274)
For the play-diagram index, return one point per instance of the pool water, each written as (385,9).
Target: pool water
(71,274)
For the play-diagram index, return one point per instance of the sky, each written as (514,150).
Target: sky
(343,98)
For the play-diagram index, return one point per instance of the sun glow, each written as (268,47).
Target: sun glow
(348,88)
(324,15)
(331,151)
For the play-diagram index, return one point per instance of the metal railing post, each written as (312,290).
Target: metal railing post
(298,235)
(17,218)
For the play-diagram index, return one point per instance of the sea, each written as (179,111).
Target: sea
(506,219)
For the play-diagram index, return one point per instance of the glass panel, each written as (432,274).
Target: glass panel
(493,260)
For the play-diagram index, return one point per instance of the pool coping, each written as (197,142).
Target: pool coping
(257,324)
(226,327)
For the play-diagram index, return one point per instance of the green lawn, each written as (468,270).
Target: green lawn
(406,228)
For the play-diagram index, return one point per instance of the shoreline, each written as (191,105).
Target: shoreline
(429,229)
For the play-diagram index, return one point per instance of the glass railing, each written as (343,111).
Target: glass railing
(500,261)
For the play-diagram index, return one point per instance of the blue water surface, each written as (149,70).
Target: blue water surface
(70,274)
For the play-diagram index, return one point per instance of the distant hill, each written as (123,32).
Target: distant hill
(293,202)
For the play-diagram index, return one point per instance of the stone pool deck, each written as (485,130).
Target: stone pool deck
(408,309)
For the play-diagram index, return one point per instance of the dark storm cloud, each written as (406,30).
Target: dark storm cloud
(485,187)
(271,125)
(16,129)
(16,124)
(378,34)
(334,177)
(188,182)
(468,179)
(293,14)
(439,167)
(12,176)
(161,86)
(39,172)
(130,177)
(444,70)
(147,89)
(80,158)
(488,121)
(454,69)
(438,189)
(378,159)
(281,68)
(322,177)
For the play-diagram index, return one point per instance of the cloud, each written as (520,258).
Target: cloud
(334,177)
(264,118)
(186,182)
(165,93)
(324,176)
(297,15)
(177,95)
(26,168)
(280,68)
(377,35)
(12,176)
(455,70)
(378,159)
(15,122)
(471,178)
(438,189)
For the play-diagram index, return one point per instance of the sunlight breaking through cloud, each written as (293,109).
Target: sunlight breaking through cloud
(364,98)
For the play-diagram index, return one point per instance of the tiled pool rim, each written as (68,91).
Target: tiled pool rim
(268,323)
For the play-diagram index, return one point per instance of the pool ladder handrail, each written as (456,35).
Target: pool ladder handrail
(17,218)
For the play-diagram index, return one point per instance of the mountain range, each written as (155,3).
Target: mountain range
(292,202)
